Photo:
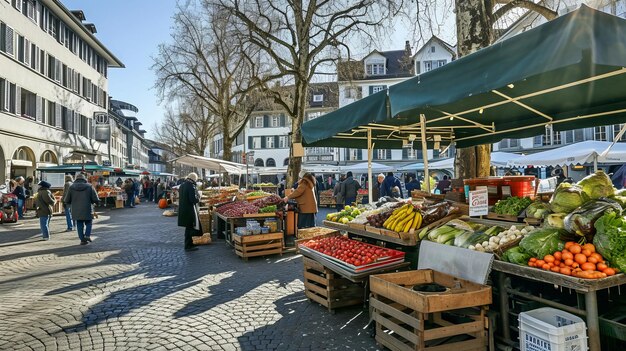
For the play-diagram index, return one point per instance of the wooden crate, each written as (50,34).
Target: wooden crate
(206,221)
(407,320)
(329,289)
(247,246)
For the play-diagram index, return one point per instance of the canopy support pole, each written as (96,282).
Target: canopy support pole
(369,166)
(425,152)
(595,163)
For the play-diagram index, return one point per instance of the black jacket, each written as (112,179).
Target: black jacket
(349,188)
(187,198)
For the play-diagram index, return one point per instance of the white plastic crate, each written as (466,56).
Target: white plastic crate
(549,329)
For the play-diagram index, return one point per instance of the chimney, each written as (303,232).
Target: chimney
(407,48)
(91,27)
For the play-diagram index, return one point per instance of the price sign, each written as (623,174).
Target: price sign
(479,202)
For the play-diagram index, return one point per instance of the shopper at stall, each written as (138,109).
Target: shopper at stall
(43,208)
(376,187)
(330,183)
(412,184)
(137,193)
(188,210)
(69,180)
(28,189)
(388,184)
(349,189)
(339,200)
(20,193)
(443,185)
(307,202)
(81,197)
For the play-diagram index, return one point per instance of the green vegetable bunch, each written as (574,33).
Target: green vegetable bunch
(512,205)
(610,239)
(268,209)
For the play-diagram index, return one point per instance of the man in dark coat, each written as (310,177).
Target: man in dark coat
(81,197)
(412,184)
(388,184)
(188,210)
(349,189)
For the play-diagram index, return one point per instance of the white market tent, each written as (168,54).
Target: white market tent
(498,159)
(363,168)
(212,164)
(579,153)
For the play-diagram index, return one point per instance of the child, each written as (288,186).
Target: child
(395,192)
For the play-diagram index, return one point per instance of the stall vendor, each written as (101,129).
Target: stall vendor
(305,197)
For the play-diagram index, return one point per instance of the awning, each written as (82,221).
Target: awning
(579,153)
(212,164)
(362,168)
(498,159)
(568,73)
(74,168)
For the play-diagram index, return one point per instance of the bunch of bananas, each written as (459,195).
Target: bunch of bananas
(404,219)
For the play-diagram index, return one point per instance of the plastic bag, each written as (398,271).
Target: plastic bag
(581,221)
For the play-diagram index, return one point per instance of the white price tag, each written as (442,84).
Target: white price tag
(479,202)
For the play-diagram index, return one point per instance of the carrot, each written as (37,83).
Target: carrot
(566,271)
(555,269)
(567,256)
(609,271)
(588,266)
(580,258)
(575,249)
(586,252)
(548,258)
(601,267)
(558,255)
(568,262)
(545,267)
(590,247)
(569,244)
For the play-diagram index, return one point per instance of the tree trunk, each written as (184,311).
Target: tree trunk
(474,32)
(300,103)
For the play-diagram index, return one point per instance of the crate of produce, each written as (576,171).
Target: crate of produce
(549,329)
(407,319)
(328,288)
(206,221)
(310,233)
(247,246)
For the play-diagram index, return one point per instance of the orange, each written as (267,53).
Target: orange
(580,258)
(546,267)
(601,267)
(568,262)
(588,266)
(548,258)
(575,249)
(586,252)
(590,247)
(569,244)
(609,271)
(565,271)
(555,269)
(567,256)
(558,255)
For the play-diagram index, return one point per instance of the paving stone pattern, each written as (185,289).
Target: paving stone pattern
(134,288)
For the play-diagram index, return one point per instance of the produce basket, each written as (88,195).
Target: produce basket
(202,240)
(502,248)
(310,233)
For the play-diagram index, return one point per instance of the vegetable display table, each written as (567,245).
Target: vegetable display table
(586,287)
(258,245)
(225,226)
(353,231)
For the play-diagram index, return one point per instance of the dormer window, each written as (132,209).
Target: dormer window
(318,98)
(375,67)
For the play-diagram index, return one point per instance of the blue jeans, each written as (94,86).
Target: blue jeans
(44,224)
(20,208)
(350,200)
(84,229)
(131,200)
(68,217)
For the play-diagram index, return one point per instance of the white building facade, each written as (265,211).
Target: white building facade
(378,71)
(53,78)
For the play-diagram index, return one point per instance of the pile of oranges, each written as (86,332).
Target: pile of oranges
(581,261)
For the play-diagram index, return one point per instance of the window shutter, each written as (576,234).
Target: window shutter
(77,124)
(282,120)
(250,142)
(266,121)
(263,143)
(276,144)
(418,67)
(38,112)
(18,100)
(374,154)
(57,113)
(371,89)
(359,154)
(405,154)
(389,154)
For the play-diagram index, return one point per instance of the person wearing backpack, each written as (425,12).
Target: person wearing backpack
(43,208)
(349,189)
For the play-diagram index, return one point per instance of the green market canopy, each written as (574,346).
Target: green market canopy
(75,168)
(568,73)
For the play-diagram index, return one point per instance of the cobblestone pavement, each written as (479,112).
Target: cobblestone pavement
(135,288)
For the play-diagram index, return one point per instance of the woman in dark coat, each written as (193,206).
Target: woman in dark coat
(81,197)
(20,193)
(188,210)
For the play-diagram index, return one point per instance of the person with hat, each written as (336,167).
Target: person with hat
(81,197)
(349,189)
(188,210)
(43,204)
(69,180)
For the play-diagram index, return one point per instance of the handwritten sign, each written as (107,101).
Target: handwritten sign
(479,202)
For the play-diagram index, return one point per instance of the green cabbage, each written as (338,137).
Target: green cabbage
(516,255)
(610,239)
(567,197)
(538,209)
(542,242)
(597,185)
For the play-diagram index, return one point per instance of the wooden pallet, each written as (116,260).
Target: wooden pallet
(329,289)
(407,320)
(247,246)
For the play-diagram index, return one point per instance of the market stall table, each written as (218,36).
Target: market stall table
(587,287)
(225,226)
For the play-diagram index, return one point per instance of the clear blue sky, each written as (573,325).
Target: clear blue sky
(132,30)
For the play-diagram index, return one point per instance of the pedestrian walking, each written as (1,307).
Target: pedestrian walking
(306,198)
(349,189)
(69,180)
(339,199)
(188,210)
(137,191)
(43,208)
(20,193)
(81,197)
(129,189)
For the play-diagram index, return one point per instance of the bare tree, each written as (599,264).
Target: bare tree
(303,40)
(205,60)
(186,129)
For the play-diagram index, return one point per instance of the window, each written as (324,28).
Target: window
(600,133)
(381,154)
(313,115)
(354,154)
(282,142)
(351,93)
(4,94)
(432,48)
(377,88)
(269,142)
(52,111)
(48,157)
(6,39)
(274,121)
(270,162)
(375,67)
(440,63)
(11,97)
(256,142)
(34,57)
(20,48)
(318,98)
(411,154)
(616,129)
(428,66)
(258,122)
(579,135)
(31,9)
(28,104)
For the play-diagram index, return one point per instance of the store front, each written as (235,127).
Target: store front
(22,163)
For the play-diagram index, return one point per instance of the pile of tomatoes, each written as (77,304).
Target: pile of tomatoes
(581,261)
(350,251)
